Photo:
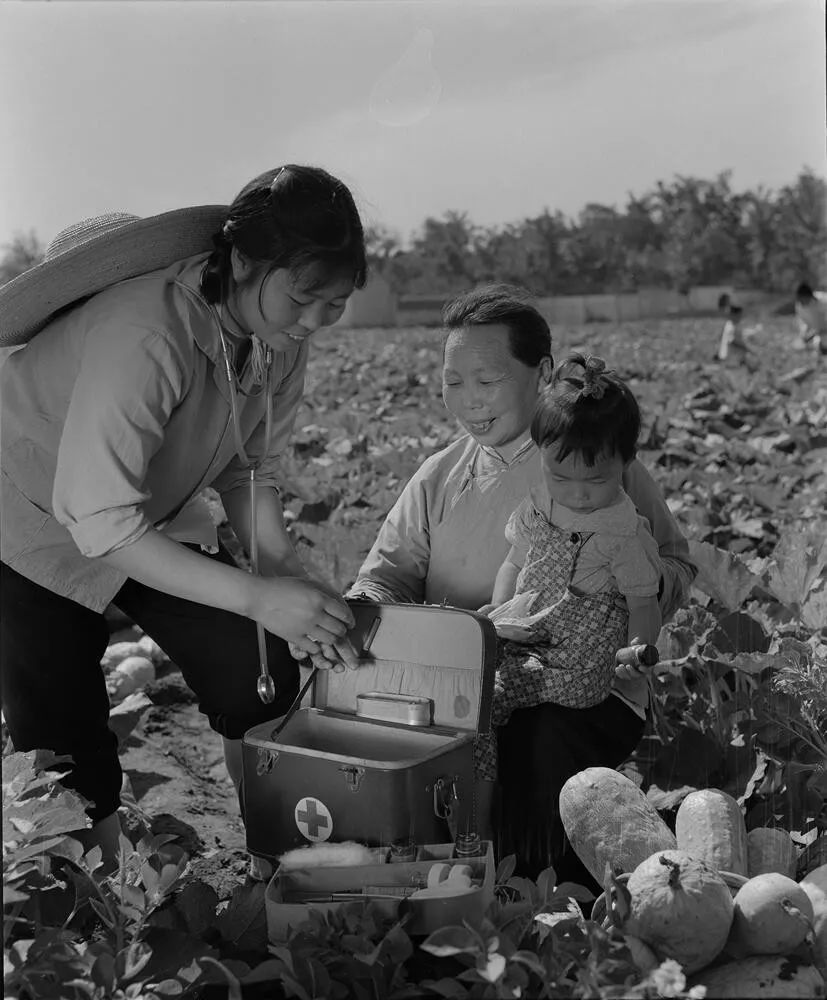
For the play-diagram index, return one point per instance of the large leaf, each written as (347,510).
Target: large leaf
(450,941)
(47,817)
(798,561)
(197,902)
(127,715)
(243,923)
(722,575)
(739,633)
(25,773)
(814,609)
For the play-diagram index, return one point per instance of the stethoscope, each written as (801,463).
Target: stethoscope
(265,685)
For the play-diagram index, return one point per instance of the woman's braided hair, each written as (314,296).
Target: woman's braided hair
(294,217)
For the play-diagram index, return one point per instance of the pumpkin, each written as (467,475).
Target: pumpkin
(130,674)
(815,885)
(770,849)
(680,907)
(761,976)
(709,825)
(609,820)
(118,651)
(772,916)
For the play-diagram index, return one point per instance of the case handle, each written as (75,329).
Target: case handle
(370,635)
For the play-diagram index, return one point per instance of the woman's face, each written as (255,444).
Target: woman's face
(280,310)
(489,391)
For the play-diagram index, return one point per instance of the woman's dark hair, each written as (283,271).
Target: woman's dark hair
(587,410)
(529,337)
(804,292)
(294,217)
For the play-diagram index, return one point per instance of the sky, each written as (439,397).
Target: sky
(494,109)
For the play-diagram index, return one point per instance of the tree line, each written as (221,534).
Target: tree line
(683,233)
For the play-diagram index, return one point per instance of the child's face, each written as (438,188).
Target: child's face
(584,488)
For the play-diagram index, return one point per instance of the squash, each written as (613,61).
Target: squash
(772,916)
(815,885)
(680,907)
(609,820)
(813,856)
(770,849)
(117,651)
(768,976)
(130,674)
(709,825)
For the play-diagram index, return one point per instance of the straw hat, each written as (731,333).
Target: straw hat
(91,255)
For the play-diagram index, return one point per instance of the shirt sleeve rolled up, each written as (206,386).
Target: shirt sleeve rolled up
(129,383)
(396,567)
(635,564)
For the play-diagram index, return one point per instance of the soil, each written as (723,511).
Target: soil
(175,766)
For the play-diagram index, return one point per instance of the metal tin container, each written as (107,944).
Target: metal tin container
(403,708)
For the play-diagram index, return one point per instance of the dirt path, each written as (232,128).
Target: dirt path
(175,764)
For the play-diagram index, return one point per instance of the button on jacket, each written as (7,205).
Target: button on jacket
(114,417)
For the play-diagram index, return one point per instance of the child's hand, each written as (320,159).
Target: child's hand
(516,631)
(486,609)
(628,666)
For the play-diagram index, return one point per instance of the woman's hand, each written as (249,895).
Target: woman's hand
(334,658)
(302,612)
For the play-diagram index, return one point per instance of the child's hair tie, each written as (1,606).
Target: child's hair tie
(275,180)
(595,382)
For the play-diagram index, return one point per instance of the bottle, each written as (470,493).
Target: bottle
(468,845)
(402,851)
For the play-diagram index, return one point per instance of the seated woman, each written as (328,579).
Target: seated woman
(444,541)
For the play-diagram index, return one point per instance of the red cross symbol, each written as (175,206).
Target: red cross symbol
(313,819)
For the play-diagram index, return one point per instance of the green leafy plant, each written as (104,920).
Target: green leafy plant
(69,929)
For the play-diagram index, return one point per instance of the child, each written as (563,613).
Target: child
(557,597)
(732,345)
(811,316)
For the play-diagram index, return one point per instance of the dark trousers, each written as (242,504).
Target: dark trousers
(54,692)
(540,748)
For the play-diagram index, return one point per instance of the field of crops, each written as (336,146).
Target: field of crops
(740,704)
(737,454)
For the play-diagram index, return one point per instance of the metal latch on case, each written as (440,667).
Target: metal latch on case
(266,761)
(407,709)
(353,777)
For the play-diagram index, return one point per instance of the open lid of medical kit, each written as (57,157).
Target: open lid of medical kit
(415,654)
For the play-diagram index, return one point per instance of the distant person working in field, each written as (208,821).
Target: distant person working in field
(128,399)
(811,314)
(581,578)
(444,540)
(733,347)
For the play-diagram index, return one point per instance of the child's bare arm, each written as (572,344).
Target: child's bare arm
(505,583)
(644,620)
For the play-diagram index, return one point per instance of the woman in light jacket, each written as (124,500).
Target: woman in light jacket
(444,540)
(132,397)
